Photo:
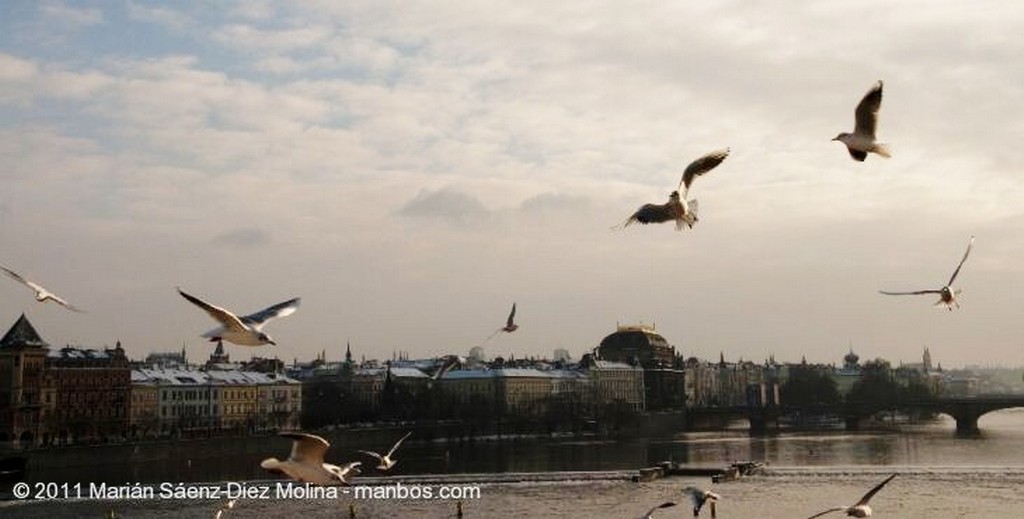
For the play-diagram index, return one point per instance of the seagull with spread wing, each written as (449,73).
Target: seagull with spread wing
(306,463)
(862,140)
(510,325)
(385,461)
(42,295)
(246,330)
(678,208)
(861,509)
(947,296)
(699,496)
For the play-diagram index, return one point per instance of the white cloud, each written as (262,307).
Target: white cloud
(78,17)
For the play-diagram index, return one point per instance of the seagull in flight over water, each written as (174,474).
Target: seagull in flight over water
(699,497)
(650,513)
(678,208)
(862,140)
(42,295)
(947,296)
(385,461)
(306,464)
(246,330)
(861,509)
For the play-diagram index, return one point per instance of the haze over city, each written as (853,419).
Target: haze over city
(412,170)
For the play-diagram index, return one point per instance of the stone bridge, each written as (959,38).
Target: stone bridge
(967,409)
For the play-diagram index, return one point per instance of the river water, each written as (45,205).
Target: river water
(940,475)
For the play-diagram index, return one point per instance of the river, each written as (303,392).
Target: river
(941,475)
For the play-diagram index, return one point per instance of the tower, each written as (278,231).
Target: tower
(927,360)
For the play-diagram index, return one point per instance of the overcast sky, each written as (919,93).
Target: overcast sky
(411,169)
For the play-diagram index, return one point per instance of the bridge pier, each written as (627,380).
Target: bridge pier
(967,424)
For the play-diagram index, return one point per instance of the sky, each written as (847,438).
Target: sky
(412,169)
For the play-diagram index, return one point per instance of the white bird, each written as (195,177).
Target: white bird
(306,462)
(699,497)
(385,461)
(947,296)
(247,330)
(678,208)
(861,509)
(650,513)
(862,140)
(42,295)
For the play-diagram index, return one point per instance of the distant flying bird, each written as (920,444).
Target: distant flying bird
(947,295)
(699,497)
(306,462)
(247,330)
(862,140)
(385,461)
(510,325)
(861,509)
(42,295)
(683,211)
(650,513)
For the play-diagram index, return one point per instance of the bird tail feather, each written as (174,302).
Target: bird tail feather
(882,149)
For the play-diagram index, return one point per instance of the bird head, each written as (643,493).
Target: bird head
(674,195)
(264,338)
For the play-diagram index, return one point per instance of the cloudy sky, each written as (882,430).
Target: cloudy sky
(411,169)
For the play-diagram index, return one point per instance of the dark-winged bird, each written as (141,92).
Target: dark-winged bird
(678,208)
(862,140)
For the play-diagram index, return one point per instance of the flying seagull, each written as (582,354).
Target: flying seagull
(862,140)
(699,496)
(42,295)
(678,208)
(306,462)
(247,330)
(385,461)
(861,509)
(510,325)
(650,513)
(947,296)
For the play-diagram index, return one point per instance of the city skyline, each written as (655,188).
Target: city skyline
(411,171)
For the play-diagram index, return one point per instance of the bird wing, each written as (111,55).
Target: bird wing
(258,319)
(306,448)
(397,443)
(830,510)
(957,271)
(651,213)
(60,301)
(867,497)
(702,166)
(228,319)
(666,504)
(867,111)
(511,316)
(17,277)
(696,496)
(914,293)
(371,453)
(349,467)
(859,156)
